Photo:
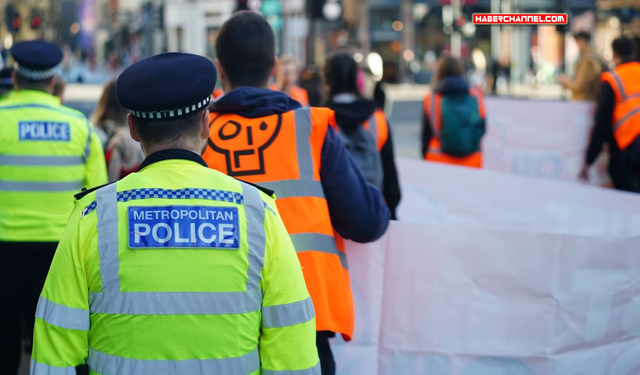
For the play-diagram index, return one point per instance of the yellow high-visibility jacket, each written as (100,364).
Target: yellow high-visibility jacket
(176,269)
(48,152)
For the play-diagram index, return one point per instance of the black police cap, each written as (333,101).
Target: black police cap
(167,86)
(36,59)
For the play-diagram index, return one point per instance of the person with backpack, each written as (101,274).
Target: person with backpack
(363,127)
(454,117)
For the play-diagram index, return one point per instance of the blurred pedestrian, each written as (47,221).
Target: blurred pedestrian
(59,85)
(265,137)
(364,128)
(122,153)
(617,121)
(109,115)
(453,121)
(176,269)
(47,152)
(585,84)
(287,78)
(312,80)
(6,82)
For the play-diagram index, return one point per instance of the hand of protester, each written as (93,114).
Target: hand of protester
(584,174)
(563,80)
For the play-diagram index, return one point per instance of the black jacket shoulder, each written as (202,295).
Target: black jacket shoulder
(86,191)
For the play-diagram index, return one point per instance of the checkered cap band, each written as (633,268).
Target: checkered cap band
(36,74)
(172,113)
(189,193)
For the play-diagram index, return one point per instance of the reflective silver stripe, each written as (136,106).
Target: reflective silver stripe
(31,160)
(62,316)
(108,364)
(315,370)
(256,236)
(87,145)
(287,315)
(625,118)
(619,82)
(40,186)
(318,242)
(303,142)
(107,212)
(373,128)
(175,303)
(295,188)
(43,369)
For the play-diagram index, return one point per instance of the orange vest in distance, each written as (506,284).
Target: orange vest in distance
(282,152)
(296,93)
(625,82)
(432,103)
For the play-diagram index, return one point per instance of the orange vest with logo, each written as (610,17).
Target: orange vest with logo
(282,152)
(432,106)
(625,82)
(296,93)
(377,126)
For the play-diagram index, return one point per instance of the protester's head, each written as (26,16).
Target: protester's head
(286,71)
(622,50)
(109,108)
(447,66)
(167,96)
(582,39)
(36,65)
(341,72)
(245,50)
(59,85)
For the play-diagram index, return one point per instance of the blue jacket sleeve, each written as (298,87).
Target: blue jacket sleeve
(357,210)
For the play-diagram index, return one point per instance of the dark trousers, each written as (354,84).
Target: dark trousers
(23,270)
(327,363)
(625,172)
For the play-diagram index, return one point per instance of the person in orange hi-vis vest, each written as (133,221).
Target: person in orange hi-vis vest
(286,77)
(618,120)
(448,80)
(265,137)
(355,112)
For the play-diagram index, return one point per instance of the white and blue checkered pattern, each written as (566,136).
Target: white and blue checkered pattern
(180,112)
(36,74)
(189,193)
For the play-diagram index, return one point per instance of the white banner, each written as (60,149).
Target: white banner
(498,274)
(539,138)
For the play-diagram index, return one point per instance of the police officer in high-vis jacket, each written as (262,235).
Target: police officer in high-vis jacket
(175,269)
(48,152)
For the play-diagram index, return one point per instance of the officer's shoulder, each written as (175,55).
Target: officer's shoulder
(86,191)
(73,112)
(268,192)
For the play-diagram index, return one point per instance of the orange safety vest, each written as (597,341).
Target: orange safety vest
(282,152)
(377,126)
(432,106)
(296,93)
(625,82)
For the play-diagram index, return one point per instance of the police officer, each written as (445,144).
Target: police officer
(175,269)
(47,152)
(617,121)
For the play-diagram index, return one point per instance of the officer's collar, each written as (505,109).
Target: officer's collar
(174,153)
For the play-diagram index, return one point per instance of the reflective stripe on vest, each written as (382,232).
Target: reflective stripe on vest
(110,364)
(40,186)
(41,368)
(29,160)
(112,301)
(315,370)
(62,316)
(626,114)
(373,128)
